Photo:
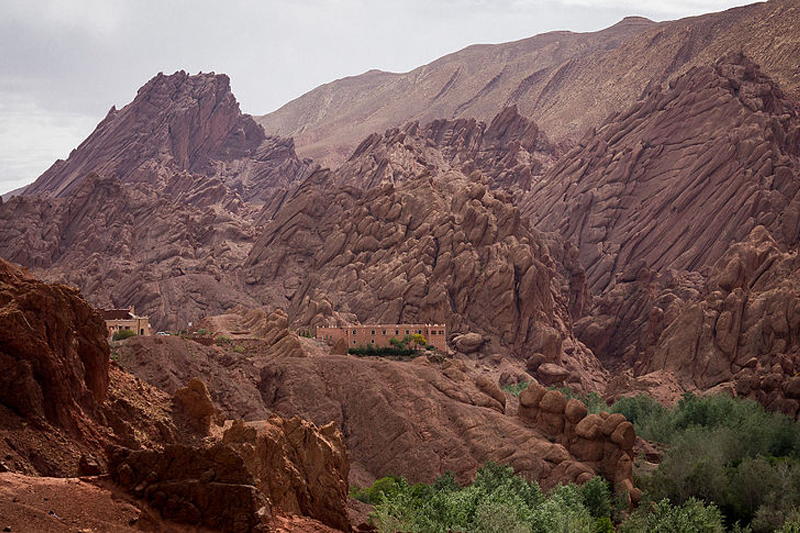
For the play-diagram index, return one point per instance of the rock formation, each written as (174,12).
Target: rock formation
(424,243)
(744,328)
(236,484)
(53,354)
(179,124)
(302,468)
(600,442)
(656,184)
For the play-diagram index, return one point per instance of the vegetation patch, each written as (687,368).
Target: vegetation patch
(499,501)
(725,451)
(123,334)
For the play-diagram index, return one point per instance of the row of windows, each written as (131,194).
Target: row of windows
(408,331)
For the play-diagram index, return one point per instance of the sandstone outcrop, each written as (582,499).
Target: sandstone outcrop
(302,468)
(193,405)
(61,401)
(599,442)
(743,330)
(237,484)
(53,354)
(208,487)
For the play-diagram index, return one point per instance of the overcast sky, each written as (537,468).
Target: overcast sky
(65,63)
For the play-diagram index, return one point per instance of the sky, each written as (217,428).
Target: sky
(63,64)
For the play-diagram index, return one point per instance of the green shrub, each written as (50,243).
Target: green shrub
(371,350)
(386,487)
(593,402)
(239,349)
(691,517)
(516,388)
(723,450)
(123,334)
(597,497)
(221,340)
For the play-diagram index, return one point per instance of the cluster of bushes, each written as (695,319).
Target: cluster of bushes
(374,351)
(499,501)
(723,450)
(727,465)
(123,334)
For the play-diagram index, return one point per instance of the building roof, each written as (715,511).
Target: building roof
(116,314)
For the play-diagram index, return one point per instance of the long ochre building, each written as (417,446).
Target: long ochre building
(379,335)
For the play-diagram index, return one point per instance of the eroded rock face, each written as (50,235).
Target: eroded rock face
(302,468)
(511,151)
(53,352)
(211,486)
(416,419)
(193,404)
(657,184)
(236,484)
(425,245)
(179,123)
(744,329)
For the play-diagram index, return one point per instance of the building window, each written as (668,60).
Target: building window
(384,332)
(373,332)
(407,332)
(372,341)
(397,332)
(355,332)
(354,342)
(141,332)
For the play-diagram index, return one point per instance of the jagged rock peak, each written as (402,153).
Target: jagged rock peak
(176,122)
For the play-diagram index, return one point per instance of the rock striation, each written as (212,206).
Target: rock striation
(742,330)
(656,185)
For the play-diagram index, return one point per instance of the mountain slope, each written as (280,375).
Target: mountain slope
(476,82)
(680,176)
(566,82)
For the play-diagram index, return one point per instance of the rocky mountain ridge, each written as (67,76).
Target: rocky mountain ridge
(566,82)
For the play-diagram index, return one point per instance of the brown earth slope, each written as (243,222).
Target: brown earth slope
(566,82)
(413,418)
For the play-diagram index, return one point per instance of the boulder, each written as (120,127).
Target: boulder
(575,410)
(553,402)
(468,343)
(551,374)
(193,406)
(531,396)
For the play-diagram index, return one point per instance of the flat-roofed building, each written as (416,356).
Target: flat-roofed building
(379,335)
(125,319)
